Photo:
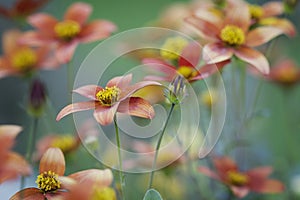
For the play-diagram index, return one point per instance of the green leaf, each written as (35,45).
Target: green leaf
(152,194)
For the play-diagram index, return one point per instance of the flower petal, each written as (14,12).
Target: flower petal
(120,81)
(137,106)
(260,172)
(253,57)
(93,177)
(8,134)
(223,165)
(239,192)
(53,160)
(9,40)
(262,35)
(190,55)
(267,186)
(75,107)
(207,172)
(43,22)
(216,52)
(65,51)
(88,91)
(207,70)
(272,8)
(28,194)
(78,12)
(159,65)
(283,24)
(104,115)
(35,39)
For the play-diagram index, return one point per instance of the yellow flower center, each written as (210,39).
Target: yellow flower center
(288,75)
(209,97)
(24,59)
(232,35)
(173,47)
(65,142)
(48,181)
(237,178)
(108,96)
(256,11)
(187,72)
(67,30)
(106,193)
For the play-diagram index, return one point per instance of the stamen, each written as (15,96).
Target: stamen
(108,96)
(173,47)
(24,59)
(232,35)
(48,181)
(67,30)
(186,72)
(237,178)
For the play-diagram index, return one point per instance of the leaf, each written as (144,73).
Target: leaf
(152,194)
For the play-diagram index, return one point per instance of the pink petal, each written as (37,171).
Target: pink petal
(136,106)
(208,172)
(43,22)
(260,172)
(65,52)
(46,58)
(216,52)
(272,9)
(35,39)
(268,186)
(253,57)
(9,40)
(53,160)
(190,55)
(120,81)
(96,30)
(239,192)
(28,194)
(104,115)
(223,165)
(8,134)
(78,12)
(75,107)
(262,35)
(207,70)
(159,65)
(283,24)
(88,91)
(94,177)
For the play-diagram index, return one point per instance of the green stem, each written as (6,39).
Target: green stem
(158,145)
(70,72)
(120,158)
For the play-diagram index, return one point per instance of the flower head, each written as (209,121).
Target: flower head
(116,96)
(66,34)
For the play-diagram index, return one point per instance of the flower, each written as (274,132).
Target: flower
(115,97)
(240,183)
(23,60)
(37,98)
(50,181)
(11,164)
(230,35)
(65,35)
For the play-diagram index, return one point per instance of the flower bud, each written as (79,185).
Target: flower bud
(176,90)
(37,98)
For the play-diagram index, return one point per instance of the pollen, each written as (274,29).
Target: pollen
(65,143)
(237,178)
(48,181)
(173,47)
(104,194)
(187,72)
(232,35)
(256,11)
(24,59)
(67,30)
(108,96)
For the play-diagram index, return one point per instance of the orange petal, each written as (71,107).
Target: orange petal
(253,57)
(272,8)
(207,70)
(190,55)
(28,194)
(78,12)
(43,22)
(88,91)
(75,107)
(8,134)
(65,51)
(268,186)
(53,160)
(260,172)
(262,35)
(104,115)
(216,52)
(35,39)
(283,24)
(224,164)
(93,177)
(136,106)
(239,192)
(9,40)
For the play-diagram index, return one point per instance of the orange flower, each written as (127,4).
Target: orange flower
(115,97)
(230,35)
(65,35)
(241,183)
(11,164)
(22,59)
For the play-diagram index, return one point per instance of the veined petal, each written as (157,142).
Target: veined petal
(9,40)
(78,12)
(190,55)
(65,51)
(104,115)
(28,194)
(272,8)
(262,35)
(88,91)
(216,52)
(93,177)
(253,57)
(209,69)
(43,22)
(208,172)
(75,107)
(137,106)
(53,160)
(120,81)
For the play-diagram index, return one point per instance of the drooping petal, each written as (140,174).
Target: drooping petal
(78,12)
(208,172)
(223,165)
(253,57)
(267,186)
(136,106)
(190,55)
(260,172)
(75,107)
(96,30)
(262,35)
(28,194)
(65,51)
(53,160)
(93,177)
(8,134)
(88,91)
(216,52)
(239,192)
(209,69)
(35,39)
(104,115)
(9,40)
(120,81)
(283,24)
(272,8)
(43,22)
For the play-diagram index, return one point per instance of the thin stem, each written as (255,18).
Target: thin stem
(119,157)
(70,72)
(158,145)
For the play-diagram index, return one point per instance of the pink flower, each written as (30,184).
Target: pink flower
(115,97)
(65,35)
(241,183)
(230,35)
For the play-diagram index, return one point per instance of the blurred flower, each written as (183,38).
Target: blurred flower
(65,35)
(295,185)
(186,62)
(50,181)
(230,35)
(173,47)
(22,59)
(240,183)
(37,98)
(22,8)
(115,97)
(209,97)
(290,5)
(11,164)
